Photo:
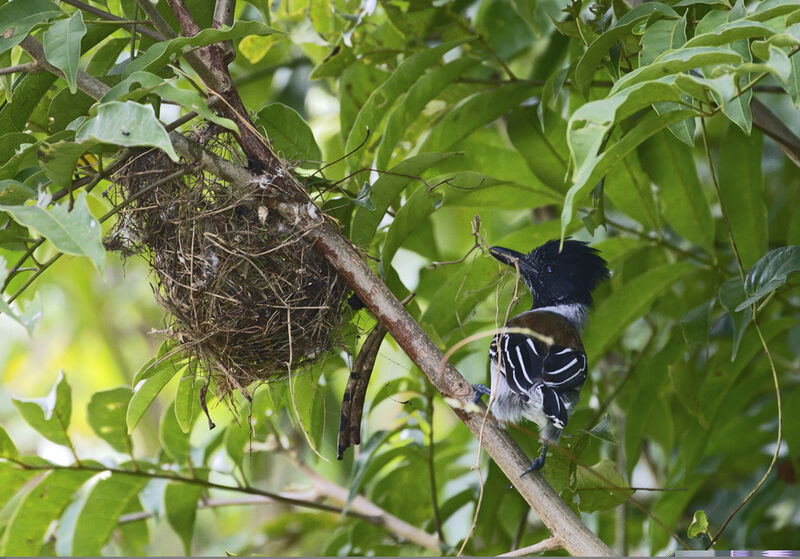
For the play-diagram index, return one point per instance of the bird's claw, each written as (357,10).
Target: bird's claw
(537,464)
(480,391)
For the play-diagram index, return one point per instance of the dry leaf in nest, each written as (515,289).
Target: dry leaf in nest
(247,293)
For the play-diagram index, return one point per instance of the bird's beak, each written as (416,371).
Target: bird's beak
(506,255)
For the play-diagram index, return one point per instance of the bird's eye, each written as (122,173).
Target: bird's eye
(549,269)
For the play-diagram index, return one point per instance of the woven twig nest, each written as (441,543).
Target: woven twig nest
(247,293)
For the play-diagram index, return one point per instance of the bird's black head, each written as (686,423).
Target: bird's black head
(565,277)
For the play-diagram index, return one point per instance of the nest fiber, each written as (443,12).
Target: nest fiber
(247,293)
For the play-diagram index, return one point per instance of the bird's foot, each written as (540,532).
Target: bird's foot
(480,391)
(537,464)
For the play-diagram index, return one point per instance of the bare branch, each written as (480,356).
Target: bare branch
(766,121)
(363,506)
(549,544)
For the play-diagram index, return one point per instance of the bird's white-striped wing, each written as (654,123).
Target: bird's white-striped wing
(550,372)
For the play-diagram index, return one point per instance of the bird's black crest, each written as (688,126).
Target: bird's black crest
(566,276)
(558,277)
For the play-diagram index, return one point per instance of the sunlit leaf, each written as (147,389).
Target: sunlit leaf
(50,415)
(172,438)
(44,503)
(74,231)
(699,525)
(151,84)
(160,53)
(144,394)
(106,414)
(62,46)
(126,124)
(180,503)
(98,514)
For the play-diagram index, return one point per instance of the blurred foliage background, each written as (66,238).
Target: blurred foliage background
(542,118)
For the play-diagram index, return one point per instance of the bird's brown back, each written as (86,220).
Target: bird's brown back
(563,332)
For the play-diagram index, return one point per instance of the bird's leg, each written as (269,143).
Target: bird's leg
(480,391)
(537,464)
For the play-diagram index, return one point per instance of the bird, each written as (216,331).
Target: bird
(539,378)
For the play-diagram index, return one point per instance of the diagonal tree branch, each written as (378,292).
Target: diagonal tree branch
(296,208)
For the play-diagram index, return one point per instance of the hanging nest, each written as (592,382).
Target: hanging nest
(246,292)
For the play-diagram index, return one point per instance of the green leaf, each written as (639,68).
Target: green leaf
(629,188)
(398,83)
(543,147)
(699,524)
(12,479)
(680,60)
(587,65)
(731,296)
(50,415)
(145,393)
(599,494)
(59,160)
(160,53)
(40,506)
(180,504)
(595,169)
(773,8)
(769,273)
(730,32)
(187,400)
(106,413)
(151,84)
(426,88)
(473,113)
(290,135)
(7,447)
(671,167)
(588,126)
(741,186)
(72,232)
(172,438)
(62,46)
(126,124)
(661,36)
(464,288)
(696,324)
(384,192)
(18,18)
(97,517)
(237,436)
(609,320)
(422,203)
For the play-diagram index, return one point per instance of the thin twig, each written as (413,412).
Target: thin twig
(146,31)
(437,518)
(548,544)
(754,310)
(30,67)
